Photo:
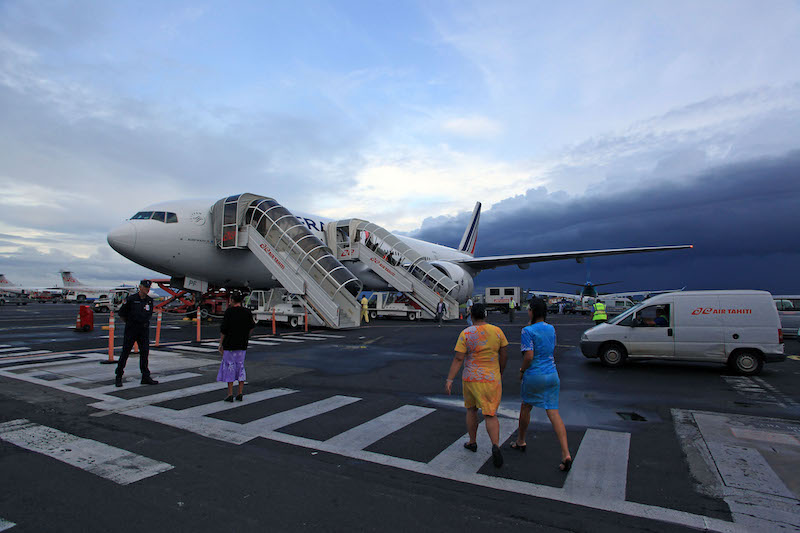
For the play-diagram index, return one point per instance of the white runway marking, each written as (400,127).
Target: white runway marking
(15,349)
(600,468)
(456,458)
(114,464)
(4,346)
(308,338)
(209,408)
(284,339)
(194,349)
(24,354)
(326,335)
(297,414)
(264,343)
(5,524)
(367,433)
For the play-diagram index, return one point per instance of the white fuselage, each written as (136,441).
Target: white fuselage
(187,248)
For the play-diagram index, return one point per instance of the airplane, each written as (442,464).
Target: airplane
(77,291)
(178,239)
(35,293)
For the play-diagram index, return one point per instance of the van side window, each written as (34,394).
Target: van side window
(508,292)
(494,292)
(654,316)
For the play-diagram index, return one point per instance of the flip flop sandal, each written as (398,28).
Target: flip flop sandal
(473,447)
(518,447)
(565,465)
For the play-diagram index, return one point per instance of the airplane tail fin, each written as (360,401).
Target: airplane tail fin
(4,281)
(470,237)
(69,280)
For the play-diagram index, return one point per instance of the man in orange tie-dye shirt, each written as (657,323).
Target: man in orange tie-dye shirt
(482,348)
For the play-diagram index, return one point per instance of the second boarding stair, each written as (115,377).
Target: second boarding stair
(297,259)
(397,263)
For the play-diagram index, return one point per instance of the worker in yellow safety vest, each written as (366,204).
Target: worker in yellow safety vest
(599,312)
(512,307)
(364,309)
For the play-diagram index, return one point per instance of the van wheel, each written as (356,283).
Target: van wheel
(373,315)
(613,355)
(746,363)
(293,321)
(412,316)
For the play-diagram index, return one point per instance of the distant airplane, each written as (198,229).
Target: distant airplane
(77,291)
(202,242)
(45,293)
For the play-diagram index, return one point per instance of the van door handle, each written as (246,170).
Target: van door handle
(669,332)
(735,335)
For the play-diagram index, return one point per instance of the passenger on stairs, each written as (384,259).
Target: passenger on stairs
(234,334)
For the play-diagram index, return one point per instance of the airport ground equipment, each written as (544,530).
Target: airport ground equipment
(113,301)
(294,256)
(282,306)
(393,304)
(497,298)
(395,262)
(13,299)
(85,320)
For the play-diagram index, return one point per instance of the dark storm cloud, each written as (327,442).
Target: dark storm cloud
(740,218)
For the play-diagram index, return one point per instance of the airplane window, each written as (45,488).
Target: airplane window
(142,215)
(160,216)
(172,218)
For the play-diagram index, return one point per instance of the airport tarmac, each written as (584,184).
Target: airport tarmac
(351,430)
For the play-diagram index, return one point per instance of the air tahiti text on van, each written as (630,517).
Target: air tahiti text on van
(712,311)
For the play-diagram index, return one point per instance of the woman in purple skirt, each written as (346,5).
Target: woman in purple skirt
(234,334)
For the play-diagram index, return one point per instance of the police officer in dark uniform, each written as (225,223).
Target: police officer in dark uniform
(136,312)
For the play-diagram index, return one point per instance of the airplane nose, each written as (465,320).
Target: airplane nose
(123,238)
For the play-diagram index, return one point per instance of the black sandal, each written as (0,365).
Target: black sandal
(228,399)
(565,465)
(473,446)
(518,447)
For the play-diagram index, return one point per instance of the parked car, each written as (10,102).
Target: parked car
(789,311)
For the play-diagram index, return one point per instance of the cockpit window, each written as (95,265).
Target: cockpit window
(161,216)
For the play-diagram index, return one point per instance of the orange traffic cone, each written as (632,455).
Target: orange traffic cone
(135,348)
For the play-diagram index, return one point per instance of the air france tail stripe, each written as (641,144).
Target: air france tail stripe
(114,464)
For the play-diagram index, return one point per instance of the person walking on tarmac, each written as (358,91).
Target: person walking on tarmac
(364,309)
(441,310)
(512,307)
(600,315)
(136,312)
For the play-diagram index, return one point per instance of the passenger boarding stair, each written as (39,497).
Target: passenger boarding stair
(297,259)
(394,261)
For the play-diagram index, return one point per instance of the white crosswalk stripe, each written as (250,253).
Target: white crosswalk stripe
(264,343)
(115,464)
(14,349)
(23,354)
(597,479)
(284,339)
(194,349)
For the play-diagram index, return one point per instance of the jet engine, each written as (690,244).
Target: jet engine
(461,276)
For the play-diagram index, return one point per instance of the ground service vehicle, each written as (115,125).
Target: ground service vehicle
(497,297)
(14,299)
(738,328)
(789,311)
(113,301)
(288,308)
(397,304)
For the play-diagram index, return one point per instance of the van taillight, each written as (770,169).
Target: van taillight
(780,336)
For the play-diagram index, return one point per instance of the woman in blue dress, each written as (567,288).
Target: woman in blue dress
(540,383)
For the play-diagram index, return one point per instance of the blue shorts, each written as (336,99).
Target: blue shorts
(540,390)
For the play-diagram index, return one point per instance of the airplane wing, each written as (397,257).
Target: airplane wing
(639,293)
(550,294)
(484,263)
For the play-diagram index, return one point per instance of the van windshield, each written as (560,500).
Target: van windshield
(627,313)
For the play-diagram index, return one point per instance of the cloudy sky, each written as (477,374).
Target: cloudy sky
(579,125)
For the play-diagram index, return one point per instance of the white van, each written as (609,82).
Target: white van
(738,328)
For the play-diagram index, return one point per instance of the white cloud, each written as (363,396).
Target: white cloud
(475,126)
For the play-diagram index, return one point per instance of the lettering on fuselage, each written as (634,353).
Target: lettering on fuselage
(312,224)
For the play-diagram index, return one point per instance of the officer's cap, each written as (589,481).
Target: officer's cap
(145,283)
